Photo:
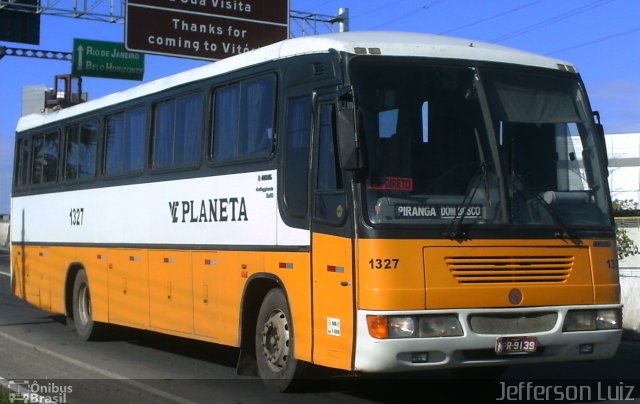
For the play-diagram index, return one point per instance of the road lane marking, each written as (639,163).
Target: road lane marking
(103,372)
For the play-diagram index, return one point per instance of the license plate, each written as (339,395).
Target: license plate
(516,345)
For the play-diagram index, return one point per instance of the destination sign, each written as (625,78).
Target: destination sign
(391,184)
(204,29)
(437,211)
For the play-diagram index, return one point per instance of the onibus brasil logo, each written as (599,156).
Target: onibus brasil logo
(32,391)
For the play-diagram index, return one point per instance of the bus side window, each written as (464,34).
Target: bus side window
(226,120)
(22,163)
(81,151)
(125,138)
(45,158)
(258,107)
(188,130)
(329,174)
(296,166)
(244,119)
(177,132)
(163,133)
(330,201)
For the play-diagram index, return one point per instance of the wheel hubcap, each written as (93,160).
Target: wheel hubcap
(275,340)
(84,305)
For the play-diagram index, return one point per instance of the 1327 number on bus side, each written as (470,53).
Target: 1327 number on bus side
(76,216)
(384,263)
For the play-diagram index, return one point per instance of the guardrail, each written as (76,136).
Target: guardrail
(4,230)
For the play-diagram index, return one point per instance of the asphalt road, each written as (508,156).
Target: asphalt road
(39,353)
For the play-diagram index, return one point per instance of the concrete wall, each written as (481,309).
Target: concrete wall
(630,288)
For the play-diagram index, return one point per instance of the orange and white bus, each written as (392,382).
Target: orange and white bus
(365,201)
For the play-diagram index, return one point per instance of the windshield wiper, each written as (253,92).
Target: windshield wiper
(455,228)
(456,224)
(566,231)
(483,166)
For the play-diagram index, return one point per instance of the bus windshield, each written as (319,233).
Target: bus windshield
(453,144)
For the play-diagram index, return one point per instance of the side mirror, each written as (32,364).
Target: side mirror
(601,139)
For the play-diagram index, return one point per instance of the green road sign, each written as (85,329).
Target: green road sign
(106,59)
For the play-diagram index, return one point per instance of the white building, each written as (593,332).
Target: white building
(624,165)
(624,181)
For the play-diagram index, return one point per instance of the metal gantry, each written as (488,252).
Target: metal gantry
(100,10)
(113,11)
(35,53)
(306,23)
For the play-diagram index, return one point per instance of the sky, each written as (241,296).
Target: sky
(600,37)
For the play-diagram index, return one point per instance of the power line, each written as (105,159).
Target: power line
(409,14)
(513,10)
(402,17)
(324,3)
(552,20)
(595,41)
(392,3)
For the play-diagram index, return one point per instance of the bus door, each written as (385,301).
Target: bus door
(331,248)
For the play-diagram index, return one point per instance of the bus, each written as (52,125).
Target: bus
(368,202)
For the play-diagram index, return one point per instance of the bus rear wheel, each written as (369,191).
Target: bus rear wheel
(83,322)
(274,342)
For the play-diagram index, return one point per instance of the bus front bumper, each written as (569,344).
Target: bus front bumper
(473,348)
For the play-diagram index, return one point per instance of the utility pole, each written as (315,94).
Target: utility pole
(343,19)
(314,24)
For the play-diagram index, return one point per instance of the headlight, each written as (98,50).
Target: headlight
(402,327)
(590,320)
(441,325)
(608,319)
(580,320)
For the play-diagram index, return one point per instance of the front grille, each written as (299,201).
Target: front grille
(512,323)
(517,269)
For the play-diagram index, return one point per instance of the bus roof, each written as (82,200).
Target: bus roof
(359,42)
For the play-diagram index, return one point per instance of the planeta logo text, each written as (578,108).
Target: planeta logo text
(211,210)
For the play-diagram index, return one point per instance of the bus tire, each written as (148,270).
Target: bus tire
(83,322)
(274,341)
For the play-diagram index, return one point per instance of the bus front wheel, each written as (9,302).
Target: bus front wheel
(83,322)
(274,341)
